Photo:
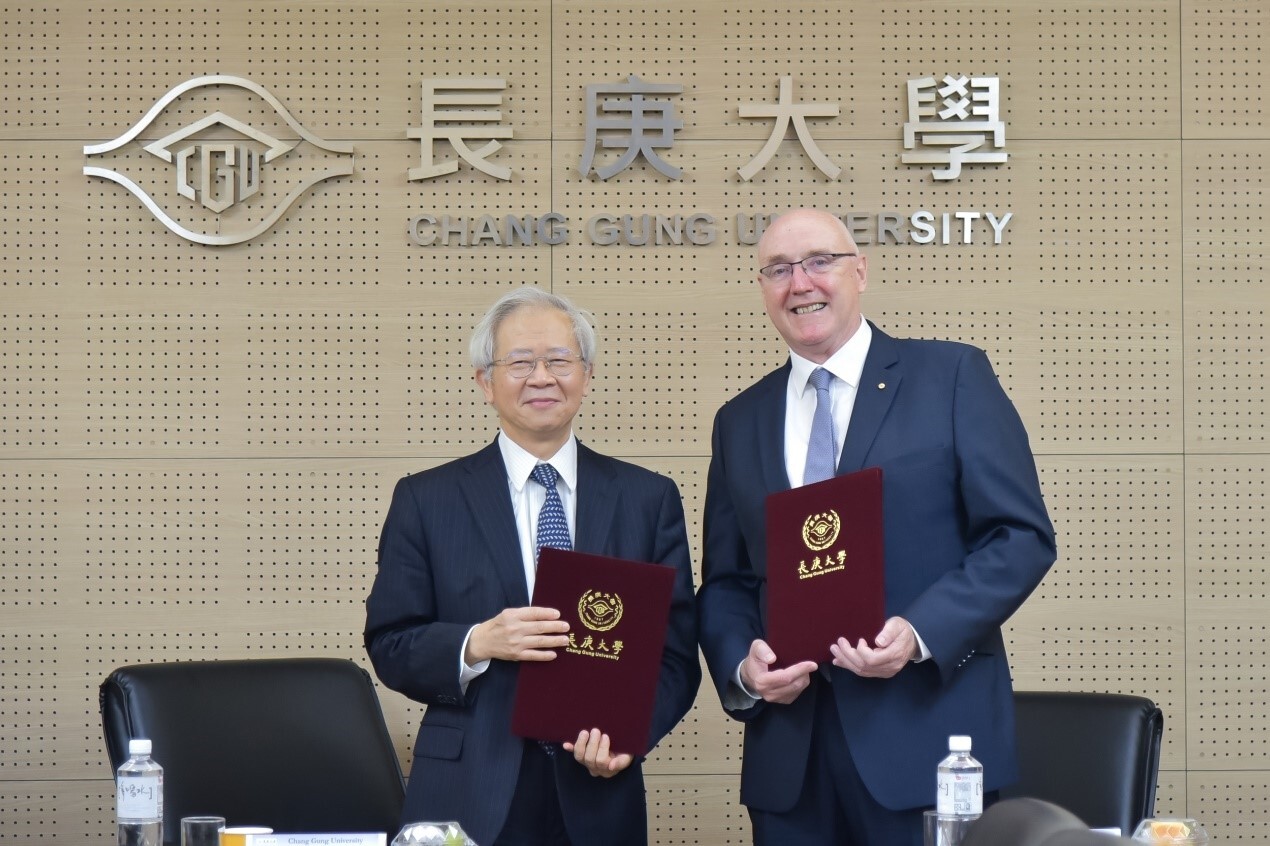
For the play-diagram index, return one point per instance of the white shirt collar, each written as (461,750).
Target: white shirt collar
(520,462)
(847,363)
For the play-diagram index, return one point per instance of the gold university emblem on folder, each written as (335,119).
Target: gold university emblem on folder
(600,611)
(821,530)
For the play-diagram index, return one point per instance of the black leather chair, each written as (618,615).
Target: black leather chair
(298,744)
(1094,754)
(1034,822)
(1021,822)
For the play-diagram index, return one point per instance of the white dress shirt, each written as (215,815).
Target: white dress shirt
(527,500)
(800,399)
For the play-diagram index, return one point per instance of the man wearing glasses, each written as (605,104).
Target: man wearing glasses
(448,619)
(844,752)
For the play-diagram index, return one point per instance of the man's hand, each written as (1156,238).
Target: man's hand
(591,750)
(518,634)
(781,686)
(896,646)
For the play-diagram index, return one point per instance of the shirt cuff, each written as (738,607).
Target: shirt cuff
(921,645)
(738,697)
(466,673)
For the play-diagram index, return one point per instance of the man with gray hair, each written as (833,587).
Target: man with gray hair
(448,620)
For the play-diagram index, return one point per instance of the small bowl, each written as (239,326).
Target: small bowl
(1170,831)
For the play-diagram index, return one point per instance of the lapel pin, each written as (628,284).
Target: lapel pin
(881,386)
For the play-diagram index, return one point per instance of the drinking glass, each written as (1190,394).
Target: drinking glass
(201,831)
(237,835)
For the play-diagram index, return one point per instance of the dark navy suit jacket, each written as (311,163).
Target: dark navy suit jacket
(967,538)
(449,558)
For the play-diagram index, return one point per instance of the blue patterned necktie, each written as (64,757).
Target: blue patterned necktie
(553,528)
(820,448)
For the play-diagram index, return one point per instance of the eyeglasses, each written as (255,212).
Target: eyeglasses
(521,366)
(816,266)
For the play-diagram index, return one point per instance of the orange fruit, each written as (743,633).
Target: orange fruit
(1169,831)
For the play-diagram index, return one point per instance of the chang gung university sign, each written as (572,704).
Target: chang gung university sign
(952,122)
(222,179)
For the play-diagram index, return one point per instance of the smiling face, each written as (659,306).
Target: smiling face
(815,315)
(536,412)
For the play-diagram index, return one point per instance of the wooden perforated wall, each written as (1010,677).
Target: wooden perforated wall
(197,442)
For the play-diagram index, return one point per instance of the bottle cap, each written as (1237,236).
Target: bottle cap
(140,746)
(959,743)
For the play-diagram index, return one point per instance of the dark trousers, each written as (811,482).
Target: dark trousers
(835,808)
(534,818)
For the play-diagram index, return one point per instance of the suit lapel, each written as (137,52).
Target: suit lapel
(769,430)
(879,384)
(596,504)
(485,489)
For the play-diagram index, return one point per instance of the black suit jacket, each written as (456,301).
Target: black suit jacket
(967,538)
(449,558)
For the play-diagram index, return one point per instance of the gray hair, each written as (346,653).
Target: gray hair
(482,347)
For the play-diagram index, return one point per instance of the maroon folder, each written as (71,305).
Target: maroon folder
(825,566)
(606,678)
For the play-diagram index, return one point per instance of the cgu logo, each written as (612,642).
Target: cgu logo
(221,159)
(218,174)
(218,163)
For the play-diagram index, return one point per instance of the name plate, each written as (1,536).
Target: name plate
(352,839)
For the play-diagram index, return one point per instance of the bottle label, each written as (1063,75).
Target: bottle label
(960,794)
(138,797)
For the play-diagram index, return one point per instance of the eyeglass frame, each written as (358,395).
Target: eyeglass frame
(763,271)
(571,359)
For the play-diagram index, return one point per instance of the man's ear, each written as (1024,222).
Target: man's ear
(481,375)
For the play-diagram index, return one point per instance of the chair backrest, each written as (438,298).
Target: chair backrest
(1095,754)
(1021,822)
(297,744)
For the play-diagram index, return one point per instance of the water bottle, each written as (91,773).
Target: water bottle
(960,781)
(139,797)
